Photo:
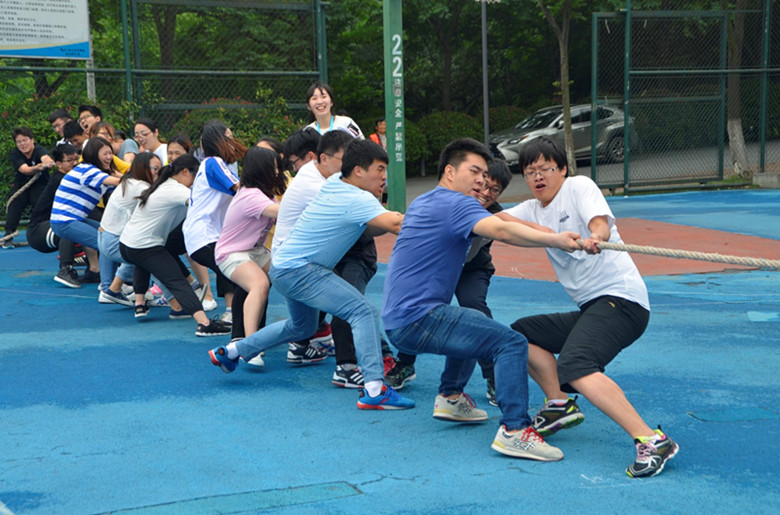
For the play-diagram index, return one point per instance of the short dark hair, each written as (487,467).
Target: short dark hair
(63,149)
(499,171)
(57,114)
(94,110)
(91,149)
(361,153)
(301,142)
(333,141)
(72,128)
(456,151)
(542,146)
(22,131)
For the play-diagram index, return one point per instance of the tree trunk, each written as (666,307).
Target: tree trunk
(562,33)
(165,22)
(736,37)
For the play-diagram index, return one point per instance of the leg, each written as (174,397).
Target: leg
(251,278)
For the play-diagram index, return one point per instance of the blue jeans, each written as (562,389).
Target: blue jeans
(309,290)
(463,335)
(108,244)
(85,232)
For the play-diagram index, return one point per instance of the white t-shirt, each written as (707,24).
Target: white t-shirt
(209,199)
(344,123)
(150,224)
(121,205)
(162,153)
(301,191)
(584,276)
(329,226)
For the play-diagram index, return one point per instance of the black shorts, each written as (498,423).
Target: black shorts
(588,339)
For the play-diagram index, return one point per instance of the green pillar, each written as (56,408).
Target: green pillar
(394,105)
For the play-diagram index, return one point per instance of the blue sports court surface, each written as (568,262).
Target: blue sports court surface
(101,413)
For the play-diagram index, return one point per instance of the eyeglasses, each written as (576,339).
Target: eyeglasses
(86,117)
(142,134)
(543,172)
(294,161)
(494,190)
(73,160)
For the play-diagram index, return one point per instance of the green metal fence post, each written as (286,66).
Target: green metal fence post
(394,104)
(626,97)
(136,49)
(724,36)
(322,44)
(594,84)
(764,85)
(126,52)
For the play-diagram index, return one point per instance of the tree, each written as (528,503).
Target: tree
(564,8)
(736,38)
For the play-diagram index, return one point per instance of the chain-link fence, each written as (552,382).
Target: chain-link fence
(690,76)
(179,62)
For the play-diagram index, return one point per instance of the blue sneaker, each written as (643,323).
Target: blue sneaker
(220,359)
(178,315)
(388,399)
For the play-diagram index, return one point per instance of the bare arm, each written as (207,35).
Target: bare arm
(46,162)
(271,211)
(599,231)
(386,222)
(523,236)
(503,215)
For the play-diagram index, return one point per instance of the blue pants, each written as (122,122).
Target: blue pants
(85,232)
(463,335)
(309,290)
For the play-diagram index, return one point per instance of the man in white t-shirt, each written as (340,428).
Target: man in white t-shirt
(302,271)
(613,307)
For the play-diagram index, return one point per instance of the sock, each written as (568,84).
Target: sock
(553,403)
(232,350)
(228,310)
(348,366)
(374,388)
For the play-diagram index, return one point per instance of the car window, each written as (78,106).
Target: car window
(603,113)
(539,119)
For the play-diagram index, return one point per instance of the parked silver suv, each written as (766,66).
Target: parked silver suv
(548,122)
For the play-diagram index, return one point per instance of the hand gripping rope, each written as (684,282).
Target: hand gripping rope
(686,254)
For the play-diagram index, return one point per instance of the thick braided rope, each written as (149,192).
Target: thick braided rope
(20,191)
(685,254)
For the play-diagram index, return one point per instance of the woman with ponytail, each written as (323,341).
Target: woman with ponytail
(160,209)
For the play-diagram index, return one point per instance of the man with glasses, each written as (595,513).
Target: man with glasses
(89,115)
(31,164)
(613,308)
(438,229)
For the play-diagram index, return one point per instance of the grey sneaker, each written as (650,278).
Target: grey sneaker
(227,318)
(526,443)
(462,409)
(68,276)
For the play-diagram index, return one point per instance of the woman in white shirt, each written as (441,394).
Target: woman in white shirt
(319,102)
(160,209)
(148,137)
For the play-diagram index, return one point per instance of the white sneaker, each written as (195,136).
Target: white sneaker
(227,318)
(158,302)
(211,305)
(462,409)
(527,444)
(257,361)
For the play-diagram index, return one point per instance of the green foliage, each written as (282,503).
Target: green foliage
(442,127)
(268,115)
(416,147)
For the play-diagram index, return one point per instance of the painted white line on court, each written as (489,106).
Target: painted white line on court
(4,509)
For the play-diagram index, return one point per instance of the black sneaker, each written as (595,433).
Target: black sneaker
(550,420)
(491,391)
(652,455)
(304,354)
(215,328)
(9,244)
(345,377)
(90,277)
(141,311)
(399,375)
(68,276)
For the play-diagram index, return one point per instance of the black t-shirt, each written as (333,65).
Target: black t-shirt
(42,209)
(18,159)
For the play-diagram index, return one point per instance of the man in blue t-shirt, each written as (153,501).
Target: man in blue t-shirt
(302,271)
(424,269)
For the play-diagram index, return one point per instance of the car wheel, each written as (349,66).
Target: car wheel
(616,150)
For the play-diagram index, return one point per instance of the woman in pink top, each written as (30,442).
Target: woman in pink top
(240,253)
